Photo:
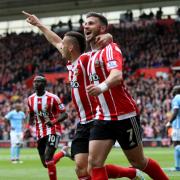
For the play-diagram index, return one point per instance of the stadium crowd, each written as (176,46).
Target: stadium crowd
(144,44)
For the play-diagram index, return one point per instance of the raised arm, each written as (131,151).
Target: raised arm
(52,37)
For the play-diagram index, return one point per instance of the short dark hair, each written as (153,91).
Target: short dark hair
(41,74)
(176,90)
(43,77)
(80,39)
(102,18)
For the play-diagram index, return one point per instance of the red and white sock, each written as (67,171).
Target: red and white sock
(51,170)
(154,170)
(115,171)
(99,174)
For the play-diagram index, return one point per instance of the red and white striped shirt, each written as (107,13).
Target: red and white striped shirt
(86,106)
(116,103)
(46,106)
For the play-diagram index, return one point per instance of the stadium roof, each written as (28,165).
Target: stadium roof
(11,9)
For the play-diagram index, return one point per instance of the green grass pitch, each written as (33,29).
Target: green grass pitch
(32,169)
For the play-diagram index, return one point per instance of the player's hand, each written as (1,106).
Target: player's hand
(93,90)
(32,19)
(103,40)
(168,124)
(49,123)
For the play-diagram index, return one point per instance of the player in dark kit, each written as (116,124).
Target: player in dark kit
(47,111)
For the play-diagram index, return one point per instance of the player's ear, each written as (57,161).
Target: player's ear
(71,46)
(103,29)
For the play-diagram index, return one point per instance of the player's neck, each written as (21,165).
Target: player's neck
(40,93)
(93,46)
(74,56)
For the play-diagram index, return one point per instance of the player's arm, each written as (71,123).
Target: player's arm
(30,118)
(103,40)
(174,115)
(176,109)
(114,78)
(62,117)
(58,108)
(7,124)
(52,37)
(114,66)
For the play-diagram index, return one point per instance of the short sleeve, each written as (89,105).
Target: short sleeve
(59,107)
(113,57)
(176,102)
(30,110)
(8,115)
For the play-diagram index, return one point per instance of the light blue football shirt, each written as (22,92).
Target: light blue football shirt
(176,105)
(16,120)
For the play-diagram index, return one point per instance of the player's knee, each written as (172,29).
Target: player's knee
(48,158)
(81,171)
(94,162)
(44,164)
(139,163)
(81,168)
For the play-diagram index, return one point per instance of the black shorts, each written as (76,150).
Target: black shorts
(51,140)
(80,143)
(127,132)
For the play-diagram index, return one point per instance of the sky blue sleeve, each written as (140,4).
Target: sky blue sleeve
(8,115)
(176,102)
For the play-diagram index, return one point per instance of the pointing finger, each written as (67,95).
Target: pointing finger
(26,14)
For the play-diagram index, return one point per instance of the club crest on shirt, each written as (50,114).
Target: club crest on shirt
(76,72)
(97,63)
(112,64)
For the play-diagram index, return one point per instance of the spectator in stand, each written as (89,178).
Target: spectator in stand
(159,14)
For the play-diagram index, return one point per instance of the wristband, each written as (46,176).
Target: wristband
(103,86)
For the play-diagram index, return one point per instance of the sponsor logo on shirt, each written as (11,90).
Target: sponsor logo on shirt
(94,77)
(111,64)
(42,113)
(97,63)
(74,84)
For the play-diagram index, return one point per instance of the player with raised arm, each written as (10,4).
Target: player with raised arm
(72,48)
(47,111)
(119,117)
(175,123)
(15,119)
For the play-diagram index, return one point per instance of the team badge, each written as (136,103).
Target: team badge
(97,63)
(76,72)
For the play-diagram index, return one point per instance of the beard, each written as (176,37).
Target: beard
(92,37)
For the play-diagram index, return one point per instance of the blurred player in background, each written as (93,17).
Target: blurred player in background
(47,110)
(15,120)
(175,123)
(72,48)
(119,116)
